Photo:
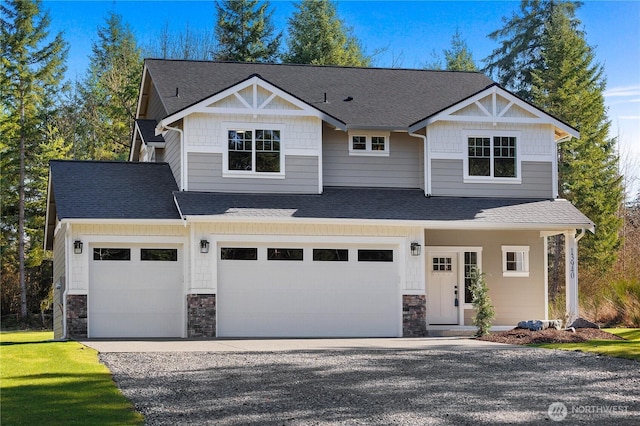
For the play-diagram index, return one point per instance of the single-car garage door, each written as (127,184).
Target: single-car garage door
(308,291)
(135,291)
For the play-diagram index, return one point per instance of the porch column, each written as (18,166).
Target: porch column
(571,275)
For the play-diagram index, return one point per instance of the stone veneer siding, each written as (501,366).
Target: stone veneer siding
(414,315)
(201,315)
(77,316)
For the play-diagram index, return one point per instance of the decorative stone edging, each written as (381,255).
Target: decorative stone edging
(77,316)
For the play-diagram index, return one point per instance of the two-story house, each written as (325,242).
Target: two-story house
(266,200)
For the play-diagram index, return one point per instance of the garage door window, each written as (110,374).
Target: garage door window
(331,255)
(375,255)
(111,254)
(239,253)
(159,255)
(284,254)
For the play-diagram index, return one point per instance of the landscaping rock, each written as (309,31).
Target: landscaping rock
(583,323)
(537,325)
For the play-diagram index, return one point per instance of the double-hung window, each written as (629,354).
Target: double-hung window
(492,157)
(515,261)
(367,143)
(254,151)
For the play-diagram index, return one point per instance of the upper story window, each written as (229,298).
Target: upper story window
(369,143)
(492,158)
(254,151)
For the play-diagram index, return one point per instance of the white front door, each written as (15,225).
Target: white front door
(443,291)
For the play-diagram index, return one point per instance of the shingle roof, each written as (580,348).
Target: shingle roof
(384,204)
(148,131)
(113,190)
(381,97)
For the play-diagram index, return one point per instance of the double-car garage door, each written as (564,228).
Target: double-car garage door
(320,290)
(263,290)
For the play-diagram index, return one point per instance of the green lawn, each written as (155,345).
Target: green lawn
(629,348)
(57,383)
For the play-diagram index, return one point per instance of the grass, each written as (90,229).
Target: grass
(629,348)
(57,383)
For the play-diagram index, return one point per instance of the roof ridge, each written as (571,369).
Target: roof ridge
(278,64)
(62,160)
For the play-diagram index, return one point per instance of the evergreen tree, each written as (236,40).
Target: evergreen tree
(31,71)
(520,49)
(545,59)
(110,93)
(459,58)
(571,87)
(318,36)
(244,32)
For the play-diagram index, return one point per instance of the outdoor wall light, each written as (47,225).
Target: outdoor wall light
(204,246)
(416,248)
(77,247)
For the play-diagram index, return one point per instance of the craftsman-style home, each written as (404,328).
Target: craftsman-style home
(266,200)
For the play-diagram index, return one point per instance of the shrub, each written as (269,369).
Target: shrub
(481,303)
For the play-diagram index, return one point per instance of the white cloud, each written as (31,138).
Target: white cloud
(622,91)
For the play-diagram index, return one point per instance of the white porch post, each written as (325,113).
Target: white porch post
(571,275)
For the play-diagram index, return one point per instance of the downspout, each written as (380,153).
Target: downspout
(183,168)
(427,166)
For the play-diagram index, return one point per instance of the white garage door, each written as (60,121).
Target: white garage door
(135,292)
(308,291)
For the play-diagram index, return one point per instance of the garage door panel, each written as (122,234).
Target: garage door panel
(308,298)
(136,298)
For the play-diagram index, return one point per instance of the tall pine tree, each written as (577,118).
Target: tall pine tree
(571,86)
(544,58)
(110,93)
(318,36)
(31,71)
(245,33)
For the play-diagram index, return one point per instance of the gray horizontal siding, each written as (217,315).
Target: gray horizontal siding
(447,180)
(401,169)
(205,174)
(172,154)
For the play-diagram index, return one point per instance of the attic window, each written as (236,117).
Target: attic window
(368,143)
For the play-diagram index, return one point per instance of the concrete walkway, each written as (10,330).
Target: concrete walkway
(281,345)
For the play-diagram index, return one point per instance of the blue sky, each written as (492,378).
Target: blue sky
(407,31)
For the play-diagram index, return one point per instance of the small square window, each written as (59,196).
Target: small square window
(359,143)
(515,261)
(441,264)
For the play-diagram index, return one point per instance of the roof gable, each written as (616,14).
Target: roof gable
(497,105)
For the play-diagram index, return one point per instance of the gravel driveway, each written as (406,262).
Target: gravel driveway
(441,385)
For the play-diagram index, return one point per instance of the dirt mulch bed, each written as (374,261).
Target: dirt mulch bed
(522,336)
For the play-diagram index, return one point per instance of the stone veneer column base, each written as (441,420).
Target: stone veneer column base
(201,315)
(77,316)
(414,315)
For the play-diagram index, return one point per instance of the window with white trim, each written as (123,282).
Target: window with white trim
(369,144)
(254,151)
(515,261)
(492,157)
